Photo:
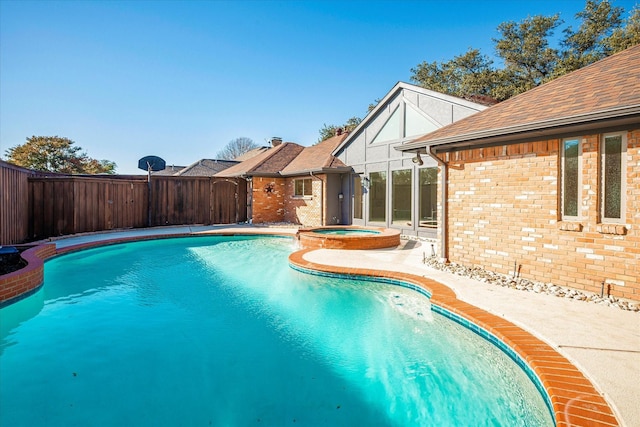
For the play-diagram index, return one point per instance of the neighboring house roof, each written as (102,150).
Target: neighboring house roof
(169,170)
(318,158)
(604,94)
(251,153)
(267,163)
(206,167)
(391,94)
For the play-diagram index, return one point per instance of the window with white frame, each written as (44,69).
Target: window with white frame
(613,165)
(302,187)
(570,198)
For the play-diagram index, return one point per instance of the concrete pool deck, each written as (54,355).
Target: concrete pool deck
(602,342)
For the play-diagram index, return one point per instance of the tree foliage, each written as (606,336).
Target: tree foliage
(327,131)
(56,154)
(236,147)
(527,55)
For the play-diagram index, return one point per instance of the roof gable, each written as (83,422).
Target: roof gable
(419,119)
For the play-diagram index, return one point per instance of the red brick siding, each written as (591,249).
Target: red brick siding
(268,206)
(504,207)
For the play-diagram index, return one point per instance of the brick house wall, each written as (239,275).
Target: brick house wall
(268,195)
(504,208)
(274,201)
(308,210)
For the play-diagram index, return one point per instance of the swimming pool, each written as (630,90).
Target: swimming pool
(220,331)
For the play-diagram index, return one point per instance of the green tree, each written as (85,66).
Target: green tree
(599,20)
(466,75)
(56,154)
(627,35)
(528,58)
(327,131)
(236,147)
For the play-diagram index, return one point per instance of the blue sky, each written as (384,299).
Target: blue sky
(125,79)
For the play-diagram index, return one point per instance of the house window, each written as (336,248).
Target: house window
(614,147)
(401,197)
(428,191)
(378,196)
(415,123)
(570,178)
(391,129)
(302,187)
(357,197)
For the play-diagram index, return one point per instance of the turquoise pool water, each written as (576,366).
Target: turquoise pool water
(347,232)
(220,331)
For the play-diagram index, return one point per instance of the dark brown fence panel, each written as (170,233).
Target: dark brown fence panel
(180,200)
(225,199)
(197,200)
(63,205)
(14,204)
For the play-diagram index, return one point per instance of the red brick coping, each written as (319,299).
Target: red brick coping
(575,400)
(27,280)
(384,238)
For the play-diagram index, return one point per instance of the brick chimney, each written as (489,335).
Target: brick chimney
(275,141)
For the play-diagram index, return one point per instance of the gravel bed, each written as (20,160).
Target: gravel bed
(519,283)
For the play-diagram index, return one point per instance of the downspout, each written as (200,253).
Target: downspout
(443,203)
(321,198)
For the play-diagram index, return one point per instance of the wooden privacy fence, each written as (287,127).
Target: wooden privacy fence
(197,200)
(62,205)
(14,203)
(36,207)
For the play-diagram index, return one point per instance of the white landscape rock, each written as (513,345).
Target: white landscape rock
(522,284)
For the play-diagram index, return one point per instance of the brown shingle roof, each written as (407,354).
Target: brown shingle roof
(251,153)
(316,157)
(606,90)
(206,167)
(268,163)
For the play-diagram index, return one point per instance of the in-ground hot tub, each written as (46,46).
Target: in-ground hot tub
(348,237)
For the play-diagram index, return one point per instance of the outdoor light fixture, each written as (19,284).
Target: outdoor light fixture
(365,182)
(417,160)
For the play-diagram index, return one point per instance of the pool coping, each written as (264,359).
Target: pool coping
(574,399)
(313,238)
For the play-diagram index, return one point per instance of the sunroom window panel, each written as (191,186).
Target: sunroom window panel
(401,196)
(378,197)
(416,124)
(428,190)
(391,129)
(357,197)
